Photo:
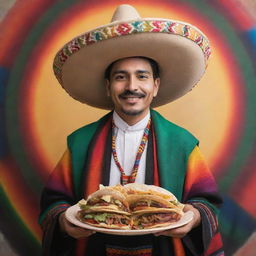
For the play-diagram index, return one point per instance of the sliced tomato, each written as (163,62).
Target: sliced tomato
(92,221)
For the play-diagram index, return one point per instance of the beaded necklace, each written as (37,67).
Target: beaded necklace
(126,178)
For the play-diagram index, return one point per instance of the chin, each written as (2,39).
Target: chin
(132,112)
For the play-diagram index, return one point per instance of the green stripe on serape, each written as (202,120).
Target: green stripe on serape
(174,145)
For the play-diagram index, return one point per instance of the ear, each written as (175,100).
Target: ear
(107,85)
(156,86)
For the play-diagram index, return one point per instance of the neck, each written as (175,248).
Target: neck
(132,119)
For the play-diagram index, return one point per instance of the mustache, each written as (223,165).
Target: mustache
(132,93)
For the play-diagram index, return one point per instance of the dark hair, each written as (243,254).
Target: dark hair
(153,64)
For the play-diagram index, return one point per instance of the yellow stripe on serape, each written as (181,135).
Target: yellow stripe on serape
(198,177)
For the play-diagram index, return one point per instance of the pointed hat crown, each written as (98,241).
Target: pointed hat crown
(125,12)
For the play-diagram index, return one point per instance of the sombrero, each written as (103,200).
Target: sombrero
(180,49)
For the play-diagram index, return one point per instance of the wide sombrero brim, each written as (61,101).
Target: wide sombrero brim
(180,49)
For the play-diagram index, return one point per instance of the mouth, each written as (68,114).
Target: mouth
(131,97)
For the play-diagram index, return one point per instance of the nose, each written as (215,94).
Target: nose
(132,84)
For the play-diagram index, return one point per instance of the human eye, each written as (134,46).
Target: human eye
(119,77)
(143,76)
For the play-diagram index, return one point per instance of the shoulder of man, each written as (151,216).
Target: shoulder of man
(87,131)
(168,130)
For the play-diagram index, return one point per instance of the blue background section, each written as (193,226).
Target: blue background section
(4,75)
(252,37)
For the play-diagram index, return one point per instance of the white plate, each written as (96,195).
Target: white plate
(72,212)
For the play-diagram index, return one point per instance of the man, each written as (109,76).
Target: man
(133,143)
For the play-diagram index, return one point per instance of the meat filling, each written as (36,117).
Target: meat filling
(144,204)
(151,219)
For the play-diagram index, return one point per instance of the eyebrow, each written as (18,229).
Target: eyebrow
(125,72)
(119,71)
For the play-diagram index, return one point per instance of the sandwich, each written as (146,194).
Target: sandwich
(105,208)
(106,198)
(152,211)
(152,206)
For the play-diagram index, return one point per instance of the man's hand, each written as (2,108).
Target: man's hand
(182,231)
(73,230)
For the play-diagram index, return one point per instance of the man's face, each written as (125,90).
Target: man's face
(132,87)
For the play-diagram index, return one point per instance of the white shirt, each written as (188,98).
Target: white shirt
(128,140)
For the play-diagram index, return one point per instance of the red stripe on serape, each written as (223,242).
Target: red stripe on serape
(81,246)
(178,247)
(215,245)
(95,167)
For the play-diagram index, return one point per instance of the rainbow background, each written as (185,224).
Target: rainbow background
(36,115)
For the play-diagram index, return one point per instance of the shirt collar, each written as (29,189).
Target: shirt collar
(121,124)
